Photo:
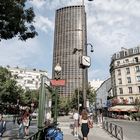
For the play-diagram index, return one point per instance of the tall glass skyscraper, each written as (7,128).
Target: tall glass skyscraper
(70,33)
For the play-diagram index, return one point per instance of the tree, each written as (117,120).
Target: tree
(74,100)
(16,20)
(90,95)
(28,97)
(64,105)
(9,91)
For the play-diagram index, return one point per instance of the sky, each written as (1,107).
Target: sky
(111,24)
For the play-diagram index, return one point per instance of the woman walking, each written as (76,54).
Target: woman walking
(84,124)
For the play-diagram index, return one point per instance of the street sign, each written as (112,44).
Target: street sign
(56,83)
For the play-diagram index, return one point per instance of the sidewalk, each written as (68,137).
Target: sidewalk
(96,133)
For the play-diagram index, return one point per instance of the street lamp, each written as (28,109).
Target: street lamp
(57,70)
(84,44)
(85,62)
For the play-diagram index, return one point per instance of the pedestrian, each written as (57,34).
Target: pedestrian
(21,127)
(48,118)
(26,122)
(14,119)
(84,124)
(2,126)
(76,123)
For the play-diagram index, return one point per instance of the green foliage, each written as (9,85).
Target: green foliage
(90,95)
(28,97)
(74,100)
(16,20)
(9,91)
(64,104)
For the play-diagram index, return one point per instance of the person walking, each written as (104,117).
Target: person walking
(2,126)
(26,122)
(84,124)
(48,118)
(76,123)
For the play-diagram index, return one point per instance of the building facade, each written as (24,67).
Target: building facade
(102,93)
(125,79)
(28,79)
(70,34)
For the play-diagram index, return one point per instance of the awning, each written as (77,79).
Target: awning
(122,109)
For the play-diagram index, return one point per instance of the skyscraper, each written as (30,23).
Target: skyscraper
(70,33)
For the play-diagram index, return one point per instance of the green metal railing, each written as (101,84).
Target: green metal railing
(38,135)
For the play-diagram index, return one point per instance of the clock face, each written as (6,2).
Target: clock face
(86,61)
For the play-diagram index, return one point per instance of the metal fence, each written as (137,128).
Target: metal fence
(113,129)
(37,136)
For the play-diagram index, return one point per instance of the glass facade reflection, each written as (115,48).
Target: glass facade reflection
(70,33)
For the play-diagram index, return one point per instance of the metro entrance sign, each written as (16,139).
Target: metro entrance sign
(56,83)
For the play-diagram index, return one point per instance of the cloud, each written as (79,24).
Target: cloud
(43,23)
(38,3)
(98,74)
(14,52)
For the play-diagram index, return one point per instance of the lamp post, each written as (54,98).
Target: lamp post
(83,44)
(57,70)
(84,73)
(85,62)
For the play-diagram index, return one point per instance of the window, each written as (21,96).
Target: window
(120,81)
(29,82)
(118,63)
(136,59)
(127,70)
(129,89)
(121,90)
(139,89)
(131,100)
(129,79)
(121,99)
(127,60)
(119,72)
(138,78)
(137,68)
(125,53)
(118,55)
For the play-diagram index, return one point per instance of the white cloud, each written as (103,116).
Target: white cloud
(15,52)
(38,3)
(43,23)
(101,74)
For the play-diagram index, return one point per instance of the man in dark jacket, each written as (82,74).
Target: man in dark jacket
(2,126)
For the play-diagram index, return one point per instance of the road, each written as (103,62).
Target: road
(131,129)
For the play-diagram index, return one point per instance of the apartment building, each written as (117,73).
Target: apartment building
(125,79)
(28,79)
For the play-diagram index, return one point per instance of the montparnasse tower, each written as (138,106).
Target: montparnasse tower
(70,33)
